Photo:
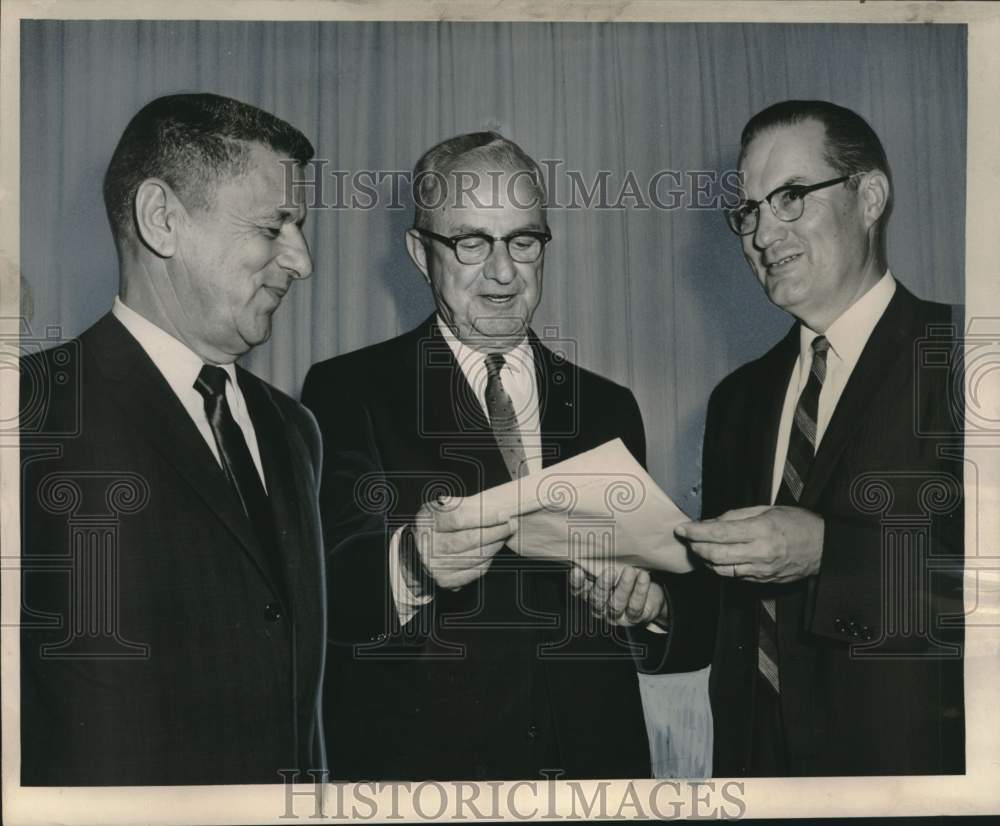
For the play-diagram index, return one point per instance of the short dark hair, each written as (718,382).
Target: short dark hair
(851,144)
(190,141)
(467,153)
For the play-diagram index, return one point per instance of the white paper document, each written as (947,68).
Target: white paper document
(596,508)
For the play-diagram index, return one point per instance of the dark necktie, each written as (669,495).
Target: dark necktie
(798,462)
(503,419)
(237,461)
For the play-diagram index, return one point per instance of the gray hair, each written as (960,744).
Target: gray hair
(467,154)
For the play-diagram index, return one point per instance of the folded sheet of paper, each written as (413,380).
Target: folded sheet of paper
(593,509)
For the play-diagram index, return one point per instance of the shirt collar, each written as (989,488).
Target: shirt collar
(178,363)
(519,360)
(849,334)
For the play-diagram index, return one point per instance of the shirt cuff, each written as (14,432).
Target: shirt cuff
(407,602)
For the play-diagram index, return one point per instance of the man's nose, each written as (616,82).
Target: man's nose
(769,227)
(500,266)
(294,256)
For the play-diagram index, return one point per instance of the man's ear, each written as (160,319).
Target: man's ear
(157,216)
(418,252)
(874,191)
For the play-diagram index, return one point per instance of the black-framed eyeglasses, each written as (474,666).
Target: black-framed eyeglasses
(523,246)
(786,202)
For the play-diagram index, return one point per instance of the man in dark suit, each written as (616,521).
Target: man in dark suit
(173,600)
(452,656)
(832,480)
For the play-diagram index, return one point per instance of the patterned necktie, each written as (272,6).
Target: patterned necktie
(237,462)
(503,419)
(798,461)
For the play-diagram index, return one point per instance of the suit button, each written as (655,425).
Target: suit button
(739,648)
(866,632)
(838,623)
(533,732)
(272,612)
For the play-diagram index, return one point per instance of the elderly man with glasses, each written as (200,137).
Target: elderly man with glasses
(832,487)
(451,657)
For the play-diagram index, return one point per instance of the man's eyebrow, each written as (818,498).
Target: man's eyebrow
(464,229)
(284,215)
(792,181)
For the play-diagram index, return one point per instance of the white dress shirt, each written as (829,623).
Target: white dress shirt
(848,336)
(518,379)
(180,366)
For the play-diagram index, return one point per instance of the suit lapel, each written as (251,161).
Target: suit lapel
(283,489)
(557,402)
(889,342)
(772,387)
(449,410)
(156,413)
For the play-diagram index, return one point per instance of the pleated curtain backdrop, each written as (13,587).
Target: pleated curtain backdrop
(657,299)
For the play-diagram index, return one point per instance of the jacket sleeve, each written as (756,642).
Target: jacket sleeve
(354,500)
(687,645)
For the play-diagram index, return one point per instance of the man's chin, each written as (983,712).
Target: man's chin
(257,334)
(504,328)
(786,292)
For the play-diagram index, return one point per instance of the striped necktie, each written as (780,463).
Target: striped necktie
(503,419)
(798,461)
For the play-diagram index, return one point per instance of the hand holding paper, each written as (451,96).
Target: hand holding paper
(622,595)
(456,545)
(593,509)
(761,544)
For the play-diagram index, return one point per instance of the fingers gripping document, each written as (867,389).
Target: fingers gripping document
(596,508)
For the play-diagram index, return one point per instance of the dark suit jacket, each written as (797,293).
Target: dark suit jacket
(504,677)
(887,479)
(156,649)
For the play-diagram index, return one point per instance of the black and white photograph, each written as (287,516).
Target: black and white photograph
(475,412)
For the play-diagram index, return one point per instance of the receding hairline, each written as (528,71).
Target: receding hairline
(770,129)
(485,172)
(465,169)
(456,162)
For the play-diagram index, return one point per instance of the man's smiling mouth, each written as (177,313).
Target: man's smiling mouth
(781,262)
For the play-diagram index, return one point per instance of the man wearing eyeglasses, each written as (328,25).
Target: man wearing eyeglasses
(832,498)
(453,658)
